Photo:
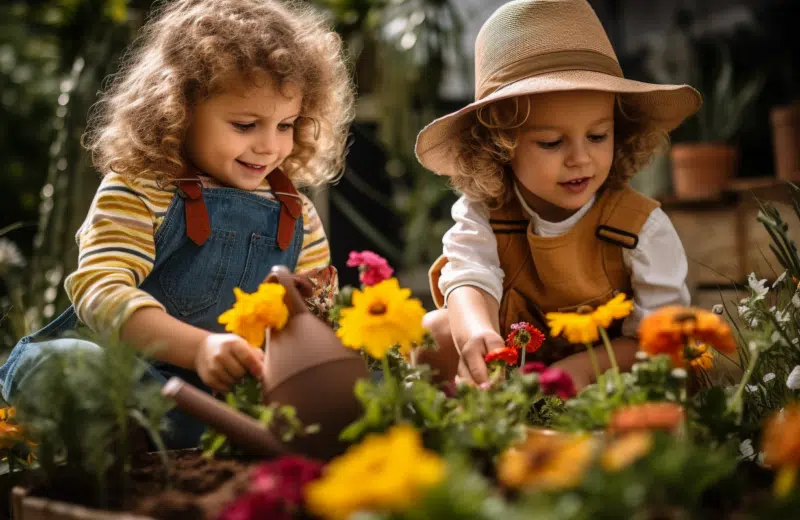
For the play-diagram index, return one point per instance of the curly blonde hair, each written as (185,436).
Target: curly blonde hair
(484,154)
(190,50)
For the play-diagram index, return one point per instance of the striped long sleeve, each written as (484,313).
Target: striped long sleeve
(117,249)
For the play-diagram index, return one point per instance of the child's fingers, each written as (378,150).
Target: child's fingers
(249,357)
(233,367)
(463,373)
(219,379)
(473,358)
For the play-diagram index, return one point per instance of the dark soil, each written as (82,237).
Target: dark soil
(197,488)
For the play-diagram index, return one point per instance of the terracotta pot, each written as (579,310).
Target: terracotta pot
(38,508)
(308,368)
(702,170)
(786,141)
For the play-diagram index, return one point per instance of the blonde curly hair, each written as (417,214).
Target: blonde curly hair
(484,154)
(190,50)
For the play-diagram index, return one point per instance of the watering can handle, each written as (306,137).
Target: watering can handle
(293,299)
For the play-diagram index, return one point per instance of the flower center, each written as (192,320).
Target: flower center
(378,308)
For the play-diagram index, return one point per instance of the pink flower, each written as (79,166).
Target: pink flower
(524,335)
(372,267)
(558,382)
(534,366)
(276,490)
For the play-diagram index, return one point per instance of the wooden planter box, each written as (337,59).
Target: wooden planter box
(38,508)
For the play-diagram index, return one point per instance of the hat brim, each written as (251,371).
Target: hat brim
(663,106)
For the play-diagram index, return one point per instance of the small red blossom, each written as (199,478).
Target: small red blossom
(555,381)
(276,490)
(372,267)
(508,355)
(534,366)
(524,335)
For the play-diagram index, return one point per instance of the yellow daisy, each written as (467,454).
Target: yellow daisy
(626,450)
(252,313)
(382,315)
(576,327)
(386,473)
(616,308)
(547,462)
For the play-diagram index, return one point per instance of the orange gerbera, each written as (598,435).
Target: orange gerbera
(670,329)
(782,446)
(647,416)
(700,356)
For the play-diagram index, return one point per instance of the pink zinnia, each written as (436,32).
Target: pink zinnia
(372,267)
(558,382)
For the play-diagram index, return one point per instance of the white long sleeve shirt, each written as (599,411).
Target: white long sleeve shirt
(657,265)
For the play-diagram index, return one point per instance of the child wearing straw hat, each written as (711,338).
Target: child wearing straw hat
(546,221)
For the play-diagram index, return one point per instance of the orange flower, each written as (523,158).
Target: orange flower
(782,446)
(509,355)
(668,331)
(626,450)
(546,462)
(647,416)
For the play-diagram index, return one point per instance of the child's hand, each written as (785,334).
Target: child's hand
(223,359)
(473,367)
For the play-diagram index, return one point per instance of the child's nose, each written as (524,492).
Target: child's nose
(266,144)
(578,155)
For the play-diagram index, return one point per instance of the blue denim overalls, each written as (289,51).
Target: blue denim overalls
(194,282)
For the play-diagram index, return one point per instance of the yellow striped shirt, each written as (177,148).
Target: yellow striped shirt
(117,248)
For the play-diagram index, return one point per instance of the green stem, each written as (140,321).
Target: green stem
(736,402)
(611,357)
(522,362)
(395,390)
(593,359)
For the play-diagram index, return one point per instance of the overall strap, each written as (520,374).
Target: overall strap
(198,224)
(291,206)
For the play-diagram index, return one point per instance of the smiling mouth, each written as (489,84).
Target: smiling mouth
(576,182)
(257,167)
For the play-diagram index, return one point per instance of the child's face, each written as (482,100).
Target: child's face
(238,137)
(564,150)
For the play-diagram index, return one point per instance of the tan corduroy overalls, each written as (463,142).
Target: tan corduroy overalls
(559,274)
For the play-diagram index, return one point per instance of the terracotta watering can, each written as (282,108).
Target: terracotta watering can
(306,367)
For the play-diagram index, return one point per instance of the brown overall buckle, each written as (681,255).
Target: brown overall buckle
(291,206)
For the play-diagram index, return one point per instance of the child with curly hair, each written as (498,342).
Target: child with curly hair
(220,110)
(547,222)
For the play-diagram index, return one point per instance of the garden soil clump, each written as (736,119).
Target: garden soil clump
(199,487)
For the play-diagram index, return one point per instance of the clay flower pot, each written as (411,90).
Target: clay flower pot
(306,367)
(786,141)
(702,170)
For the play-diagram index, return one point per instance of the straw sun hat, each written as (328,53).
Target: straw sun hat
(536,46)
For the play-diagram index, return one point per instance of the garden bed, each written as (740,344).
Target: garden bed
(198,488)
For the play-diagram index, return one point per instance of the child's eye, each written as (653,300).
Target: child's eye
(243,127)
(598,138)
(285,127)
(549,145)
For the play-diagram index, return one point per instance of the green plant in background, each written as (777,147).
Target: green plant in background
(400,51)
(84,407)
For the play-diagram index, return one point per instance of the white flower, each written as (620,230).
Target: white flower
(754,323)
(783,316)
(752,388)
(678,373)
(796,300)
(769,377)
(717,309)
(779,280)
(758,286)
(795,341)
(642,356)
(777,338)
(793,381)
(744,311)
(10,255)
(746,448)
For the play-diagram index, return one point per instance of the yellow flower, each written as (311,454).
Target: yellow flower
(577,328)
(616,308)
(626,450)
(11,434)
(387,472)
(382,315)
(547,462)
(700,356)
(255,312)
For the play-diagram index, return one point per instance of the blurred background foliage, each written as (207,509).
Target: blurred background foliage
(55,54)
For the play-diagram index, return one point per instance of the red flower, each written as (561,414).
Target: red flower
(508,355)
(534,366)
(372,267)
(558,382)
(524,335)
(276,490)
